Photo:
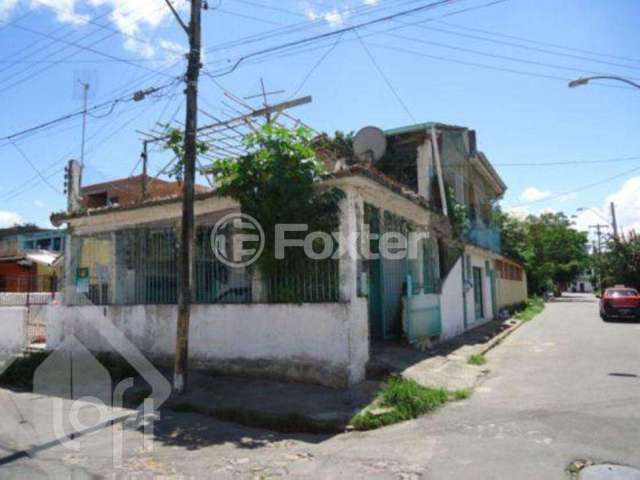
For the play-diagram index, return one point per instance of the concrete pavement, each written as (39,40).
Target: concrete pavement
(562,387)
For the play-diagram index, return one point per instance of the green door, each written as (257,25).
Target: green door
(376,292)
(477,292)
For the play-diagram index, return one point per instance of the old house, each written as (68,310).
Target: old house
(314,323)
(27,257)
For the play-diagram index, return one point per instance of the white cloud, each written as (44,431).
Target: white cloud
(131,17)
(627,201)
(532,194)
(65,10)
(335,18)
(9,219)
(568,197)
(371,2)
(519,212)
(6,7)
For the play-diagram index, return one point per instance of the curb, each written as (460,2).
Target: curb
(495,341)
(285,423)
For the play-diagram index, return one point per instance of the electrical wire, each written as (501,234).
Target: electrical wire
(580,189)
(386,79)
(333,33)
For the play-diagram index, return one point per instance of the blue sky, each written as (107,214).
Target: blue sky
(500,69)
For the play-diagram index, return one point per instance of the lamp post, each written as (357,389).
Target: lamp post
(584,80)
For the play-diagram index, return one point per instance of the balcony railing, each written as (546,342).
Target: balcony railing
(483,236)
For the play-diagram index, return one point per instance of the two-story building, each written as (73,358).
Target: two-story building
(314,323)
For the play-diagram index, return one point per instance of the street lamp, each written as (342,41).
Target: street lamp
(584,80)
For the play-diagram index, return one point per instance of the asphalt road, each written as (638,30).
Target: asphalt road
(564,386)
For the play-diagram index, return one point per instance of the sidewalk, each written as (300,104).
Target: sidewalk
(280,406)
(446,365)
(301,408)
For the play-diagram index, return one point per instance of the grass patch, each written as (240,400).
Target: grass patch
(397,401)
(477,359)
(533,307)
(461,394)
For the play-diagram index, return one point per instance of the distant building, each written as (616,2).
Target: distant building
(27,257)
(583,283)
(130,190)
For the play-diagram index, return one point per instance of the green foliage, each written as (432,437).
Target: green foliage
(175,143)
(275,183)
(340,146)
(620,262)
(461,394)
(552,251)
(400,400)
(533,307)
(457,214)
(476,359)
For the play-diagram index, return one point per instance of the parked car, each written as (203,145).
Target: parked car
(620,302)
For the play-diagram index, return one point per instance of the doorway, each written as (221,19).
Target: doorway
(478,292)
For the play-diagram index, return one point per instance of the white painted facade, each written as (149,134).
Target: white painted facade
(451,303)
(13,329)
(318,343)
(478,258)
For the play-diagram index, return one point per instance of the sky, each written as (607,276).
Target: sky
(499,67)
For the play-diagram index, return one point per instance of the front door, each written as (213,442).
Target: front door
(477,292)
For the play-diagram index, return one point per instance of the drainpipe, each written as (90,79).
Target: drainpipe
(436,150)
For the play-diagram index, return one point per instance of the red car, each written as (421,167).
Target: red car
(620,302)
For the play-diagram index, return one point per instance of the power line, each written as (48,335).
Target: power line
(580,189)
(527,47)
(570,162)
(32,165)
(82,47)
(488,67)
(139,95)
(316,66)
(493,55)
(386,79)
(297,51)
(334,33)
(538,42)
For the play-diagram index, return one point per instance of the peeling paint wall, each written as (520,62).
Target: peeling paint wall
(13,329)
(319,343)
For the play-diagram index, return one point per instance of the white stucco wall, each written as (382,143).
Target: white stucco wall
(452,308)
(478,259)
(316,343)
(13,329)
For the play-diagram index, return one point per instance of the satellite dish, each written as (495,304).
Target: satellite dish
(369,144)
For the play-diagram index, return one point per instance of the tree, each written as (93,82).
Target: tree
(620,263)
(552,251)
(275,183)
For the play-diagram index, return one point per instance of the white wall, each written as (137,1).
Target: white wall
(36,298)
(316,343)
(451,306)
(13,329)
(478,259)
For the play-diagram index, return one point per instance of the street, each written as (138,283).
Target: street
(564,386)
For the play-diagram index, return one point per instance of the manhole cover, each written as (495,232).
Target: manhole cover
(609,472)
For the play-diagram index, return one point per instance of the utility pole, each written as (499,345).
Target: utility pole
(186,244)
(598,249)
(145,166)
(614,221)
(85,92)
